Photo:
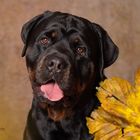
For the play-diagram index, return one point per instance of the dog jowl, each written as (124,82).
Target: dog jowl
(65,56)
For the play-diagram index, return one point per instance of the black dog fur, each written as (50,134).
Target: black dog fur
(72,52)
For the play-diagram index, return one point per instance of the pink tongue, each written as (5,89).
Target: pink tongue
(52,92)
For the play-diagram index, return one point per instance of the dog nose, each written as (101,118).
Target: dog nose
(55,65)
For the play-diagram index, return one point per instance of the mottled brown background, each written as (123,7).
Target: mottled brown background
(121,18)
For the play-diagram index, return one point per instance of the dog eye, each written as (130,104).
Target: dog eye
(77,41)
(44,41)
(54,34)
(81,51)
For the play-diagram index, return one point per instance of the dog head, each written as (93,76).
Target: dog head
(65,56)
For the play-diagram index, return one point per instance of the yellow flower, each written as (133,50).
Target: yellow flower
(118,117)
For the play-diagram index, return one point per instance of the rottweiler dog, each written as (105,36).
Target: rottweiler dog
(65,56)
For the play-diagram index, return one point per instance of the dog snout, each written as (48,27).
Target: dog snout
(56,65)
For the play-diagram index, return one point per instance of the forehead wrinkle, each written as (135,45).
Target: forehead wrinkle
(55,25)
(67,22)
(64,22)
(75,23)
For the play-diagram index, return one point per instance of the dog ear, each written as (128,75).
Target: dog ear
(28,27)
(108,50)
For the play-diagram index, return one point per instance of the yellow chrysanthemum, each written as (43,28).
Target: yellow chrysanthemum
(118,117)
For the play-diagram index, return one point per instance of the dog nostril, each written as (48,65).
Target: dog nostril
(51,64)
(59,66)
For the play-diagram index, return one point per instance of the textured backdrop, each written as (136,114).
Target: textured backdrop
(121,18)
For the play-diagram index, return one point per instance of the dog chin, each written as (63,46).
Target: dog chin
(66,101)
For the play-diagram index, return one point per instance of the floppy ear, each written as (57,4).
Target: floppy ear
(26,29)
(109,51)
(29,26)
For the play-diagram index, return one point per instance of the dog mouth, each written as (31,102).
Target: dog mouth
(51,91)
